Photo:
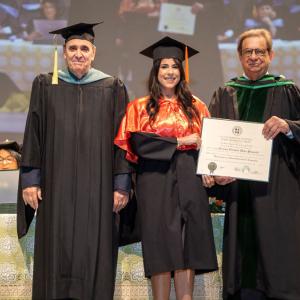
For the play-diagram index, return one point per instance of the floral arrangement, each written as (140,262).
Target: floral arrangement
(216,206)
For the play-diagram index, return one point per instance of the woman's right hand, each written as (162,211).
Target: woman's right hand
(192,139)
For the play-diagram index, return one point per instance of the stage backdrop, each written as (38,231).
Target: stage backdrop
(210,26)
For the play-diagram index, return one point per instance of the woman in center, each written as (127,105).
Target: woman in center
(161,135)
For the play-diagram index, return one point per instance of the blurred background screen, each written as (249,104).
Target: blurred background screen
(211,26)
(26,49)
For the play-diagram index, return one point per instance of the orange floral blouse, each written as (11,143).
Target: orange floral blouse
(170,121)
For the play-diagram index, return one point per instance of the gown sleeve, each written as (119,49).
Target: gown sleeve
(32,145)
(130,123)
(142,144)
(30,177)
(294,124)
(222,104)
(31,152)
(129,229)
(121,164)
(152,146)
(291,147)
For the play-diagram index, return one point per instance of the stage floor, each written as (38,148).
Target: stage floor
(16,265)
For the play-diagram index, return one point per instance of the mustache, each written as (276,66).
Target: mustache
(254,62)
(75,59)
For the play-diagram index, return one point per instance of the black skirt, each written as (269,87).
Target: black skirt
(176,228)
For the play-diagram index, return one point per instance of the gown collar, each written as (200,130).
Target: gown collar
(92,76)
(268,80)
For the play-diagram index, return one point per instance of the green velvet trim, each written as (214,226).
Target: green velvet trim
(264,82)
(264,78)
(251,104)
(255,87)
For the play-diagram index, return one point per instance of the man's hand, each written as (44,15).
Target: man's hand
(144,8)
(223,180)
(32,195)
(197,7)
(273,126)
(120,200)
(192,139)
(208,181)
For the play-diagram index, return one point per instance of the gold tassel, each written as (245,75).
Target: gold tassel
(55,67)
(55,63)
(254,12)
(187,71)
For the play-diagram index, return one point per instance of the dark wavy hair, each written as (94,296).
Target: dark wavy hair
(182,91)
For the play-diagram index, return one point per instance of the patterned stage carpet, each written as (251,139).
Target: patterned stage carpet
(16,264)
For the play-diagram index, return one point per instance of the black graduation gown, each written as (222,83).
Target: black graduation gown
(176,229)
(69,136)
(276,204)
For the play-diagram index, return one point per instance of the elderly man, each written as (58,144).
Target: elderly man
(261,258)
(72,176)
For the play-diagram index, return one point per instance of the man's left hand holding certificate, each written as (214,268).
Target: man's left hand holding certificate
(235,149)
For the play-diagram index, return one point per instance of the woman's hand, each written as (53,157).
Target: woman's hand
(192,139)
(223,180)
(208,181)
(197,7)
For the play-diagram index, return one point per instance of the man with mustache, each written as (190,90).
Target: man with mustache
(261,258)
(72,176)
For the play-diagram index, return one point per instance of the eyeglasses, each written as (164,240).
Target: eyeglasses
(8,160)
(259,52)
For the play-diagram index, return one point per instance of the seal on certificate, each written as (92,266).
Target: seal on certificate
(237,130)
(212,166)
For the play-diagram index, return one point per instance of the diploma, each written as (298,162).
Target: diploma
(235,149)
(175,18)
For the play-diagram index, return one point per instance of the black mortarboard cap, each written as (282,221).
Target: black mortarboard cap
(10,145)
(169,48)
(83,31)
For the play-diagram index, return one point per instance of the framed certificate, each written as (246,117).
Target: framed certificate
(235,149)
(175,18)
